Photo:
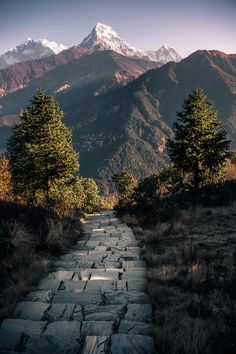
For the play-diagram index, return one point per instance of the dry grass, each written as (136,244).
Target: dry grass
(29,241)
(191,262)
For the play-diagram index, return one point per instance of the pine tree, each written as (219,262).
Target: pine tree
(200,146)
(40,150)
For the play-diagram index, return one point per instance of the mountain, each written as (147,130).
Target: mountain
(102,37)
(74,76)
(117,127)
(163,55)
(29,50)
(19,75)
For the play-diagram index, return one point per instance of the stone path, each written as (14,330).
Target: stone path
(94,302)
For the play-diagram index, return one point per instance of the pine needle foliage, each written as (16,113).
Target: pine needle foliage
(200,146)
(41,152)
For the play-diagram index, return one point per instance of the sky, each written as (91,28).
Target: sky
(186,25)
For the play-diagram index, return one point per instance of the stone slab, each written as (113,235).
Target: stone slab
(104,275)
(133,327)
(121,285)
(133,264)
(137,312)
(29,310)
(95,345)
(134,274)
(100,286)
(77,298)
(125,297)
(97,328)
(46,344)
(73,285)
(69,329)
(78,313)
(41,296)
(60,312)
(131,344)
(50,284)
(61,275)
(137,285)
(9,340)
(27,326)
(103,313)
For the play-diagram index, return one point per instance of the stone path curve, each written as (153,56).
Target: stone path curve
(94,302)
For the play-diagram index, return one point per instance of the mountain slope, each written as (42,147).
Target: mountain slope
(18,76)
(91,75)
(102,37)
(29,50)
(127,127)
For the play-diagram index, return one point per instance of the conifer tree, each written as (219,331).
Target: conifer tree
(200,146)
(40,150)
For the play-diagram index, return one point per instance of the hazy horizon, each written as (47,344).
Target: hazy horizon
(184,25)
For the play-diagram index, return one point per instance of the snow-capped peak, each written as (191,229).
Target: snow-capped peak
(103,37)
(30,49)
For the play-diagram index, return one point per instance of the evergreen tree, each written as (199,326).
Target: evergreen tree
(200,146)
(40,150)
(126,184)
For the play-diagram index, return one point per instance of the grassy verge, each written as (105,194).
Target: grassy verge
(191,259)
(30,239)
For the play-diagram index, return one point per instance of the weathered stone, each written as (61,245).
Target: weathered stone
(97,328)
(95,345)
(101,249)
(61,275)
(112,264)
(133,264)
(121,285)
(134,274)
(60,312)
(77,298)
(141,313)
(65,264)
(131,344)
(103,313)
(125,297)
(98,286)
(41,296)
(29,310)
(104,275)
(53,344)
(78,313)
(85,264)
(73,285)
(50,284)
(92,244)
(9,340)
(133,327)
(137,285)
(69,329)
(79,254)
(67,257)
(26,326)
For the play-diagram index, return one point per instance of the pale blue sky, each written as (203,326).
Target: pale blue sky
(186,25)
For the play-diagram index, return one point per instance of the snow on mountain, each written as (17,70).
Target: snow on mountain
(102,37)
(163,55)
(30,49)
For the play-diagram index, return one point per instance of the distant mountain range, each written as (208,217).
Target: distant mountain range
(121,106)
(29,50)
(102,37)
